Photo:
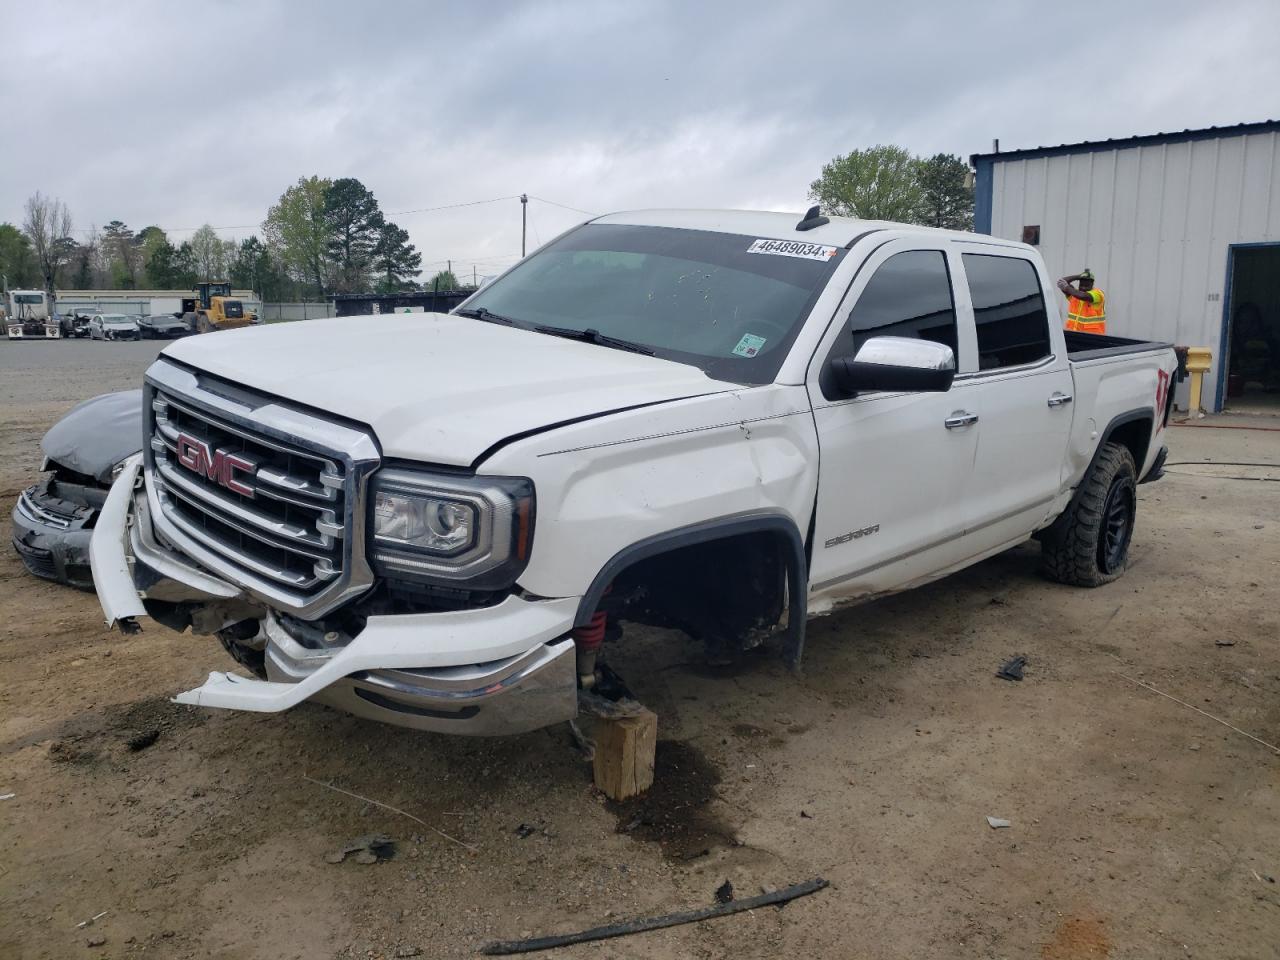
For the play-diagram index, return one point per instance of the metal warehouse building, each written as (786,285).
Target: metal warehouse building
(1181,229)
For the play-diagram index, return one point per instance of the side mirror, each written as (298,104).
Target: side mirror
(896,364)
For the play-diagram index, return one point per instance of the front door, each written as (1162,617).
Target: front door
(893,466)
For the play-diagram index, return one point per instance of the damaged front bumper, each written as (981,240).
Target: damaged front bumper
(491,671)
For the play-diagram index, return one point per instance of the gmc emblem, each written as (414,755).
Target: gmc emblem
(218,465)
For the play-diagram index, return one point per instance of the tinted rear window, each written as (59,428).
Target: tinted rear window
(1009,310)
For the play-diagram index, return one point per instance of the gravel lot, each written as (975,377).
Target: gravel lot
(1141,828)
(68,371)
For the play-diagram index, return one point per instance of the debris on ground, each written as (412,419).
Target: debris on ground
(1168,696)
(631,824)
(806,815)
(586,746)
(142,740)
(1012,669)
(64,751)
(95,941)
(387,806)
(91,921)
(7,796)
(688,855)
(997,823)
(724,892)
(1224,642)
(531,945)
(524,831)
(367,849)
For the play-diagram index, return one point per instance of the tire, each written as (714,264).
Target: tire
(1089,544)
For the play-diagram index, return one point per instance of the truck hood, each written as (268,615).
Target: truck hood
(435,387)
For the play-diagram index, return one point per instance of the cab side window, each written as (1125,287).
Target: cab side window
(909,295)
(1008,309)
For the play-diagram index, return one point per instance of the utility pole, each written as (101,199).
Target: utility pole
(473,277)
(524,219)
(450,269)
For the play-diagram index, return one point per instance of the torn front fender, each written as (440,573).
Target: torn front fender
(131,565)
(109,552)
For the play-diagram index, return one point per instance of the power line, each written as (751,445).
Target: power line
(489,259)
(565,206)
(450,206)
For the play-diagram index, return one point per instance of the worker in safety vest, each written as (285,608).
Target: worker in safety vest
(1086,304)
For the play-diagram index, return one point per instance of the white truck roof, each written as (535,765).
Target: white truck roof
(769,224)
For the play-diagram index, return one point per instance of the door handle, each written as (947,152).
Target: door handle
(1059,399)
(960,418)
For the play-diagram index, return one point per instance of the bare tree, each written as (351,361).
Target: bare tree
(48,228)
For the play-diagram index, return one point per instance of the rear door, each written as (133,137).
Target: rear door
(893,467)
(1024,387)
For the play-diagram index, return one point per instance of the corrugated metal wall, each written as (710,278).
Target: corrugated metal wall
(1153,222)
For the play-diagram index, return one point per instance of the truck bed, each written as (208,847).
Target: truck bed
(1095,346)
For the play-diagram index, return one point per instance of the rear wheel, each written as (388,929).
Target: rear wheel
(1089,544)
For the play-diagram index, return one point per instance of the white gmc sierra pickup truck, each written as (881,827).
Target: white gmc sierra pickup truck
(726,422)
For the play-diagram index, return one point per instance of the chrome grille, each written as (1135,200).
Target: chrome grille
(266,495)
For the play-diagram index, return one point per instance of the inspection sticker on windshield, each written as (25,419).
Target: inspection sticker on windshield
(793,248)
(749,345)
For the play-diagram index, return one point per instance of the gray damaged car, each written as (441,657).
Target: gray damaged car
(53,519)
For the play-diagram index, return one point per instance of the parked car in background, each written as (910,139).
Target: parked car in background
(53,519)
(163,327)
(73,325)
(113,326)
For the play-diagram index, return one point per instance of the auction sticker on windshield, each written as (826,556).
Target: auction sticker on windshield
(793,248)
(749,345)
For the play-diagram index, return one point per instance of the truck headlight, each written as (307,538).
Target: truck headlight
(467,531)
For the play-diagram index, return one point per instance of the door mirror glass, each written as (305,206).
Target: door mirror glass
(896,364)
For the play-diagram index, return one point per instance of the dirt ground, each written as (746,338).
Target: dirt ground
(1140,828)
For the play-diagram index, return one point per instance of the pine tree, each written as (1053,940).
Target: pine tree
(395,259)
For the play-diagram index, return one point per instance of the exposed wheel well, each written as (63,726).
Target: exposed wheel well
(1133,434)
(730,584)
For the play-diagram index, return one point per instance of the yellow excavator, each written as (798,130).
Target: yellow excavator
(213,308)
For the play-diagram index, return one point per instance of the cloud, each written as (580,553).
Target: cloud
(182,113)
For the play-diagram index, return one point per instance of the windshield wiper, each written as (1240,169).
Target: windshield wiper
(487,315)
(590,335)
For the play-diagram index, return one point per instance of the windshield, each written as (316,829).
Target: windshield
(28,298)
(116,319)
(728,303)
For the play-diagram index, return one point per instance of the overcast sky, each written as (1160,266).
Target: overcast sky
(181,113)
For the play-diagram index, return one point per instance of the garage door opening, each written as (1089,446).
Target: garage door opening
(1253,329)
